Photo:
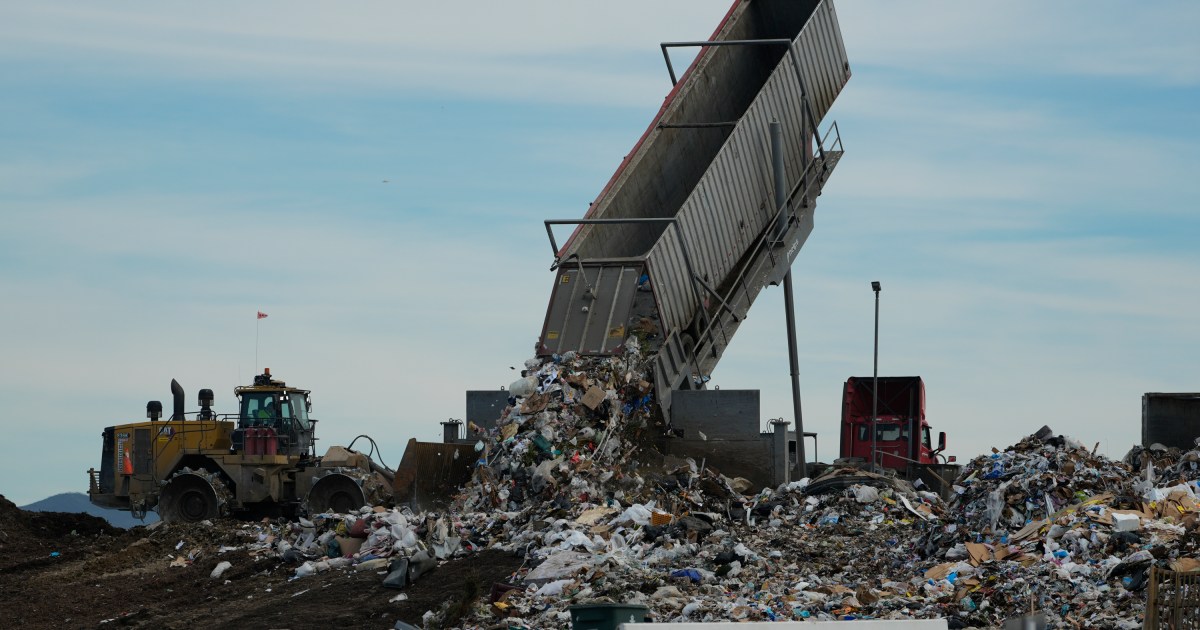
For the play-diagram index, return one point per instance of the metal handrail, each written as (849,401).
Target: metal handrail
(877,465)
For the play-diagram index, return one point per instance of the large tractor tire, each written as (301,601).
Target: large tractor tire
(190,497)
(335,493)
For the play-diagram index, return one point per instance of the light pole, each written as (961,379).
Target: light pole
(875,383)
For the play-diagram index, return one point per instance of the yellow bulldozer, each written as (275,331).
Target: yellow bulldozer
(260,461)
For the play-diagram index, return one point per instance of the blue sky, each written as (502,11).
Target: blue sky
(1020,176)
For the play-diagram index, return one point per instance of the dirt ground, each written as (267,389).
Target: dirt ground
(75,571)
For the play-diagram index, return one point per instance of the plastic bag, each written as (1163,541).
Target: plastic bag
(995,506)
(219,569)
(523,386)
(865,494)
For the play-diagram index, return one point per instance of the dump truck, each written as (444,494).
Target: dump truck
(902,436)
(259,461)
(713,203)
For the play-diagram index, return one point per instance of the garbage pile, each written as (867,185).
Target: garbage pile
(563,479)
(779,554)
(1049,525)
(566,480)
(1166,462)
(395,543)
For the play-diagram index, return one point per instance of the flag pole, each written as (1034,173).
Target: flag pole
(257,320)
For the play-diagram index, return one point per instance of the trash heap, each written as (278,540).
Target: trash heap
(565,479)
(779,554)
(1049,525)
(396,543)
(1166,462)
(568,480)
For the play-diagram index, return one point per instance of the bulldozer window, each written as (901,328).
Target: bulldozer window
(295,410)
(258,410)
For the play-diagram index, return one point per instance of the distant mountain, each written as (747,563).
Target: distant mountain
(78,502)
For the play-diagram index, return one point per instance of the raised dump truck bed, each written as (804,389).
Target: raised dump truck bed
(686,233)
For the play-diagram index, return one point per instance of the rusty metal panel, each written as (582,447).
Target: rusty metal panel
(431,473)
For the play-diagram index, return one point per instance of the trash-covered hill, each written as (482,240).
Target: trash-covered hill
(570,505)
(61,570)
(1045,525)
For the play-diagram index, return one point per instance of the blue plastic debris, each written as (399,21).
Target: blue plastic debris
(690,574)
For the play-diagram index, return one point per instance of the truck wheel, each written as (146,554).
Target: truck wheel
(335,493)
(188,498)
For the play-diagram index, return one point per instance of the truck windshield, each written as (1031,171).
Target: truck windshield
(884,432)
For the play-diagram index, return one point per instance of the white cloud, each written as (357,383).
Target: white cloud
(535,50)
(1144,43)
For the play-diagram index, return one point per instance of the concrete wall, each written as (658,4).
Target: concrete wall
(721,428)
(1170,419)
(485,406)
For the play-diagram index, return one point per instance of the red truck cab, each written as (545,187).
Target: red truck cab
(902,436)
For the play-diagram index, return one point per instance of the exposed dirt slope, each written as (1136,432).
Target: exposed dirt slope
(75,571)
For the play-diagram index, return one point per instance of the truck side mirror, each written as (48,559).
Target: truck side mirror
(941,441)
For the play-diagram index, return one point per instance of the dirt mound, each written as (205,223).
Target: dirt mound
(75,571)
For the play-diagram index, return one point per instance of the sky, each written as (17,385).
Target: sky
(1021,177)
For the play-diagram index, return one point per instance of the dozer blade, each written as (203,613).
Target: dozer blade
(432,472)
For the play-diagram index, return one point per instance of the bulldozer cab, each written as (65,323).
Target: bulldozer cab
(272,406)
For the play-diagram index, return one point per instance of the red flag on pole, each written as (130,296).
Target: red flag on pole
(261,315)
